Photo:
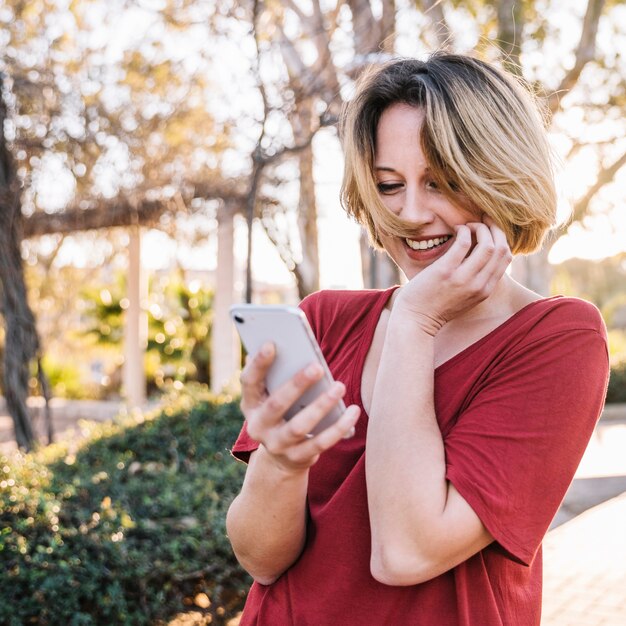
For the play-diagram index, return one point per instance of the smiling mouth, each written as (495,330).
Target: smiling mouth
(427,244)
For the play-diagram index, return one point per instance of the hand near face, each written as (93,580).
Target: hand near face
(288,442)
(464,276)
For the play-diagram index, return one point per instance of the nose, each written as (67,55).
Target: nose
(417,207)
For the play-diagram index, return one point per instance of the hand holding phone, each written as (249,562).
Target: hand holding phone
(296,348)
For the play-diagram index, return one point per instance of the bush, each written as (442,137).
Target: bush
(130,528)
(617,383)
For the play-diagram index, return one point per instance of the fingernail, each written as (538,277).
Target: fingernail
(267,349)
(350,433)
(337,390)
(313,370)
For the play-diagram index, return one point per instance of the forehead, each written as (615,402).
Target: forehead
(399,130)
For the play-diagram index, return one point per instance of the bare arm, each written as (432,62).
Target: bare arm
(421,525)
(266,522)
(268,531)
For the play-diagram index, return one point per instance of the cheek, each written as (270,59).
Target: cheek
(393,204)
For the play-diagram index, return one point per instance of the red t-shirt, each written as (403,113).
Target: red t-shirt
(516,410)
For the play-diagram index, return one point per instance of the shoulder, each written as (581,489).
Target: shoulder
(564,330)
(562,314)
(324,309)
(331,302)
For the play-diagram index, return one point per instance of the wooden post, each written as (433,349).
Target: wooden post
(136,326)
(224,352)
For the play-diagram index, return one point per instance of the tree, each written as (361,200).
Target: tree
(127,140)
(21,341)
(584,83)
(316,50)
(300,85)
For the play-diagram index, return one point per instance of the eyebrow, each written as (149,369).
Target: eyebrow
(386,168)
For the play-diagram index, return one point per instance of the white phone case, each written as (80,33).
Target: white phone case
(296,347)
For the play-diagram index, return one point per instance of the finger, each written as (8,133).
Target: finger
(482,251)
(488,261)
(299,426)
(499,236)
(253,376)
(330,436)
(273,409)
(460,246)
(501,255)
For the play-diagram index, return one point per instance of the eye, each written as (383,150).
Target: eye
(388,188)
(431,184)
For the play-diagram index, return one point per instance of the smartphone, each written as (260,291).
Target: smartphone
(296,347)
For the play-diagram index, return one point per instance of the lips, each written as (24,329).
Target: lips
(427,248)
(427,244)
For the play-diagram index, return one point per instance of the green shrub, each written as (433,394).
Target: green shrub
(129,528)
(617,383)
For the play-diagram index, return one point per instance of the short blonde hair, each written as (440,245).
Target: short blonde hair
(483,135)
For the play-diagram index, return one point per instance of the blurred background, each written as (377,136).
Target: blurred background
(163,159)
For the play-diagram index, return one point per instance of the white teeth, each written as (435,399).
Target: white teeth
(427,244)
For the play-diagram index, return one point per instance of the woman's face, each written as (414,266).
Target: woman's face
(407,188)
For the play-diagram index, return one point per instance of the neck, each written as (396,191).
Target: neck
(507,298)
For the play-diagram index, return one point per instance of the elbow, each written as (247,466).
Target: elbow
(264,579)
(400,569)
(262,573)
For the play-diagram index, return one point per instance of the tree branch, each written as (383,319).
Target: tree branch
(510,28)
(433,9)
(606,175)
(122,211)
(585,52)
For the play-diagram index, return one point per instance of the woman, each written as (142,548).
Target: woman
(476,396)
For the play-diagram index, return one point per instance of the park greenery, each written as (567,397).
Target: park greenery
(127,526)
(117,114)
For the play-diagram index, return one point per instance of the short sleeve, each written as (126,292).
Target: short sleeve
(244,445)
(514,450)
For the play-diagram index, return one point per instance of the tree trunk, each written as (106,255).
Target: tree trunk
(309,267)
(372,36)
(21,341)
(308,274)
(377,268)
(510,32)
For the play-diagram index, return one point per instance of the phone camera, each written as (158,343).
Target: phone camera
(239,319)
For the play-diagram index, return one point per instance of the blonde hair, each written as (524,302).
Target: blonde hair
(483,136)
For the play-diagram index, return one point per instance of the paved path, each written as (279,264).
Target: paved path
(66,415)
(585,553)
(585,569)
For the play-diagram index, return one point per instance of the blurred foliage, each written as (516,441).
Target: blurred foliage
(617,383)
(80,312)
(179,327)
(2,331)
(129,528)
(103,104)
(617,345)
(66,380)
(602,282)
